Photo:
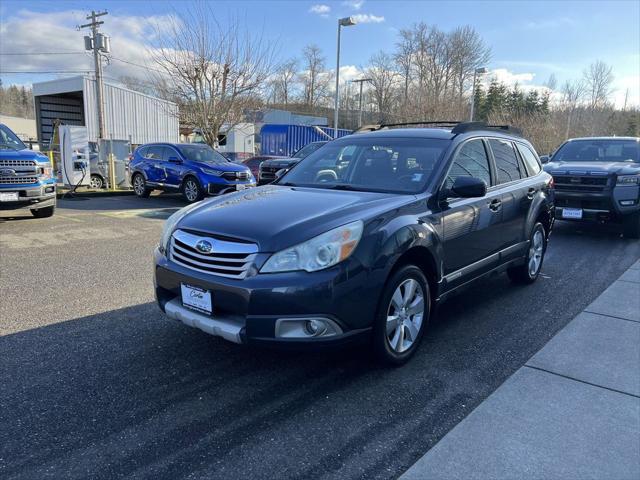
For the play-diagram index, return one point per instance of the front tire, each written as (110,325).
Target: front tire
(530,270)
(191,190)
(140,186)
(96,182)
(631,225)
(43,212)
(402,316)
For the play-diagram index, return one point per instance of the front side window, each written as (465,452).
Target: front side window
(599,151)
(530,159)
(203,154)
(471,161)
(9,140)
(400,165)
(507,165)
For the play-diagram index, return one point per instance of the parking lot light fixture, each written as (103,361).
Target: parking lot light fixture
(476,72)
(343,22)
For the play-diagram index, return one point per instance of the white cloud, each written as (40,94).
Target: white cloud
(367,18)
(31,32)
(349,72)
(320,9)
(355,4)
(622,85)
(502,75)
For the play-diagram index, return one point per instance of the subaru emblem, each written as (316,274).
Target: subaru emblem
(204,246)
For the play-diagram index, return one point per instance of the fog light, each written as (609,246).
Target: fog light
(627,203)
(306,327)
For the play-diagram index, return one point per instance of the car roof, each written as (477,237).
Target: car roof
(577,139)
(439,133)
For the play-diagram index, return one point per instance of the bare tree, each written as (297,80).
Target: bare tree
(468,52)
(216,71)
(572,94)
(383,79)
(598,79)
(284,81)
(403,57)
(315,79)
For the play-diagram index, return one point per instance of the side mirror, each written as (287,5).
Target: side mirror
(545,159)
(281,172)
(469,187)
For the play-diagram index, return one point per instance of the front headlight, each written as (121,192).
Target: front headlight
(216,173)
(46,172)
(628,180)
(170,225)
(319,253)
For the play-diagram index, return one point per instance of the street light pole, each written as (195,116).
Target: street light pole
(360,81)
(343,22)
(476,72)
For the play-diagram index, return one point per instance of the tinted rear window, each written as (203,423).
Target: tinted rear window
(506,160)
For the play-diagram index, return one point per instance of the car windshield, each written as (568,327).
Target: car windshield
(399,165)
(307,150)
(203,154)
(599,151)
(8,139)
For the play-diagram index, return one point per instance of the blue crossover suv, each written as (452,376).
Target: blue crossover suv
(195,170)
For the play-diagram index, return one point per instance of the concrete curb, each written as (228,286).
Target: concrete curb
(96,193)
(572,411)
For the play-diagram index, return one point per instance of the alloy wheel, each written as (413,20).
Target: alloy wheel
(95,182)
(191,190)
(138,185)
(405,315)
(535,253)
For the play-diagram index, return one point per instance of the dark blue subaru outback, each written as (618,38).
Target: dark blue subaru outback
(360,240)
(195,170)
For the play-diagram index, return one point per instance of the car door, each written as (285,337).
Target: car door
(173,166)
(471,226)
(515,190)
(154,164)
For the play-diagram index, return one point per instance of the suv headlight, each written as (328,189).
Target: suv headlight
(46,172)
(170,225)
(628,180)
(319,253)
(216,173)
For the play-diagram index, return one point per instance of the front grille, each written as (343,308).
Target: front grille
(17,163)
(235,176)
(580,183)
(18,180)
(596,204)
(227,259)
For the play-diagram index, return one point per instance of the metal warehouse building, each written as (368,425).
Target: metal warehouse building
(128,114)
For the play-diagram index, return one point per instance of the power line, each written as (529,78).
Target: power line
(36,72)
(42,53)
(136,64)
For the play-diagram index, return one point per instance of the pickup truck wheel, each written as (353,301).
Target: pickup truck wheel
(402,316)
(140,186)
(530,270)
(631,225)
(191,190)
(43,212)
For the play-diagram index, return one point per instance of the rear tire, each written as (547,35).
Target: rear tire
(631,225)
(96,182)
(530,270)
(43,212)
(191,190)
(402,317)
(140,186)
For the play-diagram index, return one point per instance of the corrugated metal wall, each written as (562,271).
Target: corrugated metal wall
(285,140)
(128,113)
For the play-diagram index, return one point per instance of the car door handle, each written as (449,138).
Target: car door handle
(531,193)
(495,205)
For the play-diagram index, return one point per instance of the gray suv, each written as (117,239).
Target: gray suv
(598,179)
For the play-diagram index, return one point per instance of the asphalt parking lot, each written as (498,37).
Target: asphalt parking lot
(97,384)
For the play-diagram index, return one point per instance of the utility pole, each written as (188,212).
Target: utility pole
(97,42)
(360,81)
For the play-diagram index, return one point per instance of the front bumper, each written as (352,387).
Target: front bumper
(609,205)
(30,196)
(247,310)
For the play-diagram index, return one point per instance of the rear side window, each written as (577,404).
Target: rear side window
(471,161)
(154,152)
(142,151)
(507,163)
(530,159)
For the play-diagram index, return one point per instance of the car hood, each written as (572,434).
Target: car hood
(592,168)
(276,217)
(224,167)
(283,162)
(26,154)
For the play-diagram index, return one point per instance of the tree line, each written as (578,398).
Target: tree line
(16,101)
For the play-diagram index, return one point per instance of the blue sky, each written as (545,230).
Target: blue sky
(529,40)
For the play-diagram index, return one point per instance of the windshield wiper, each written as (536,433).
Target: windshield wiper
(343,186)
